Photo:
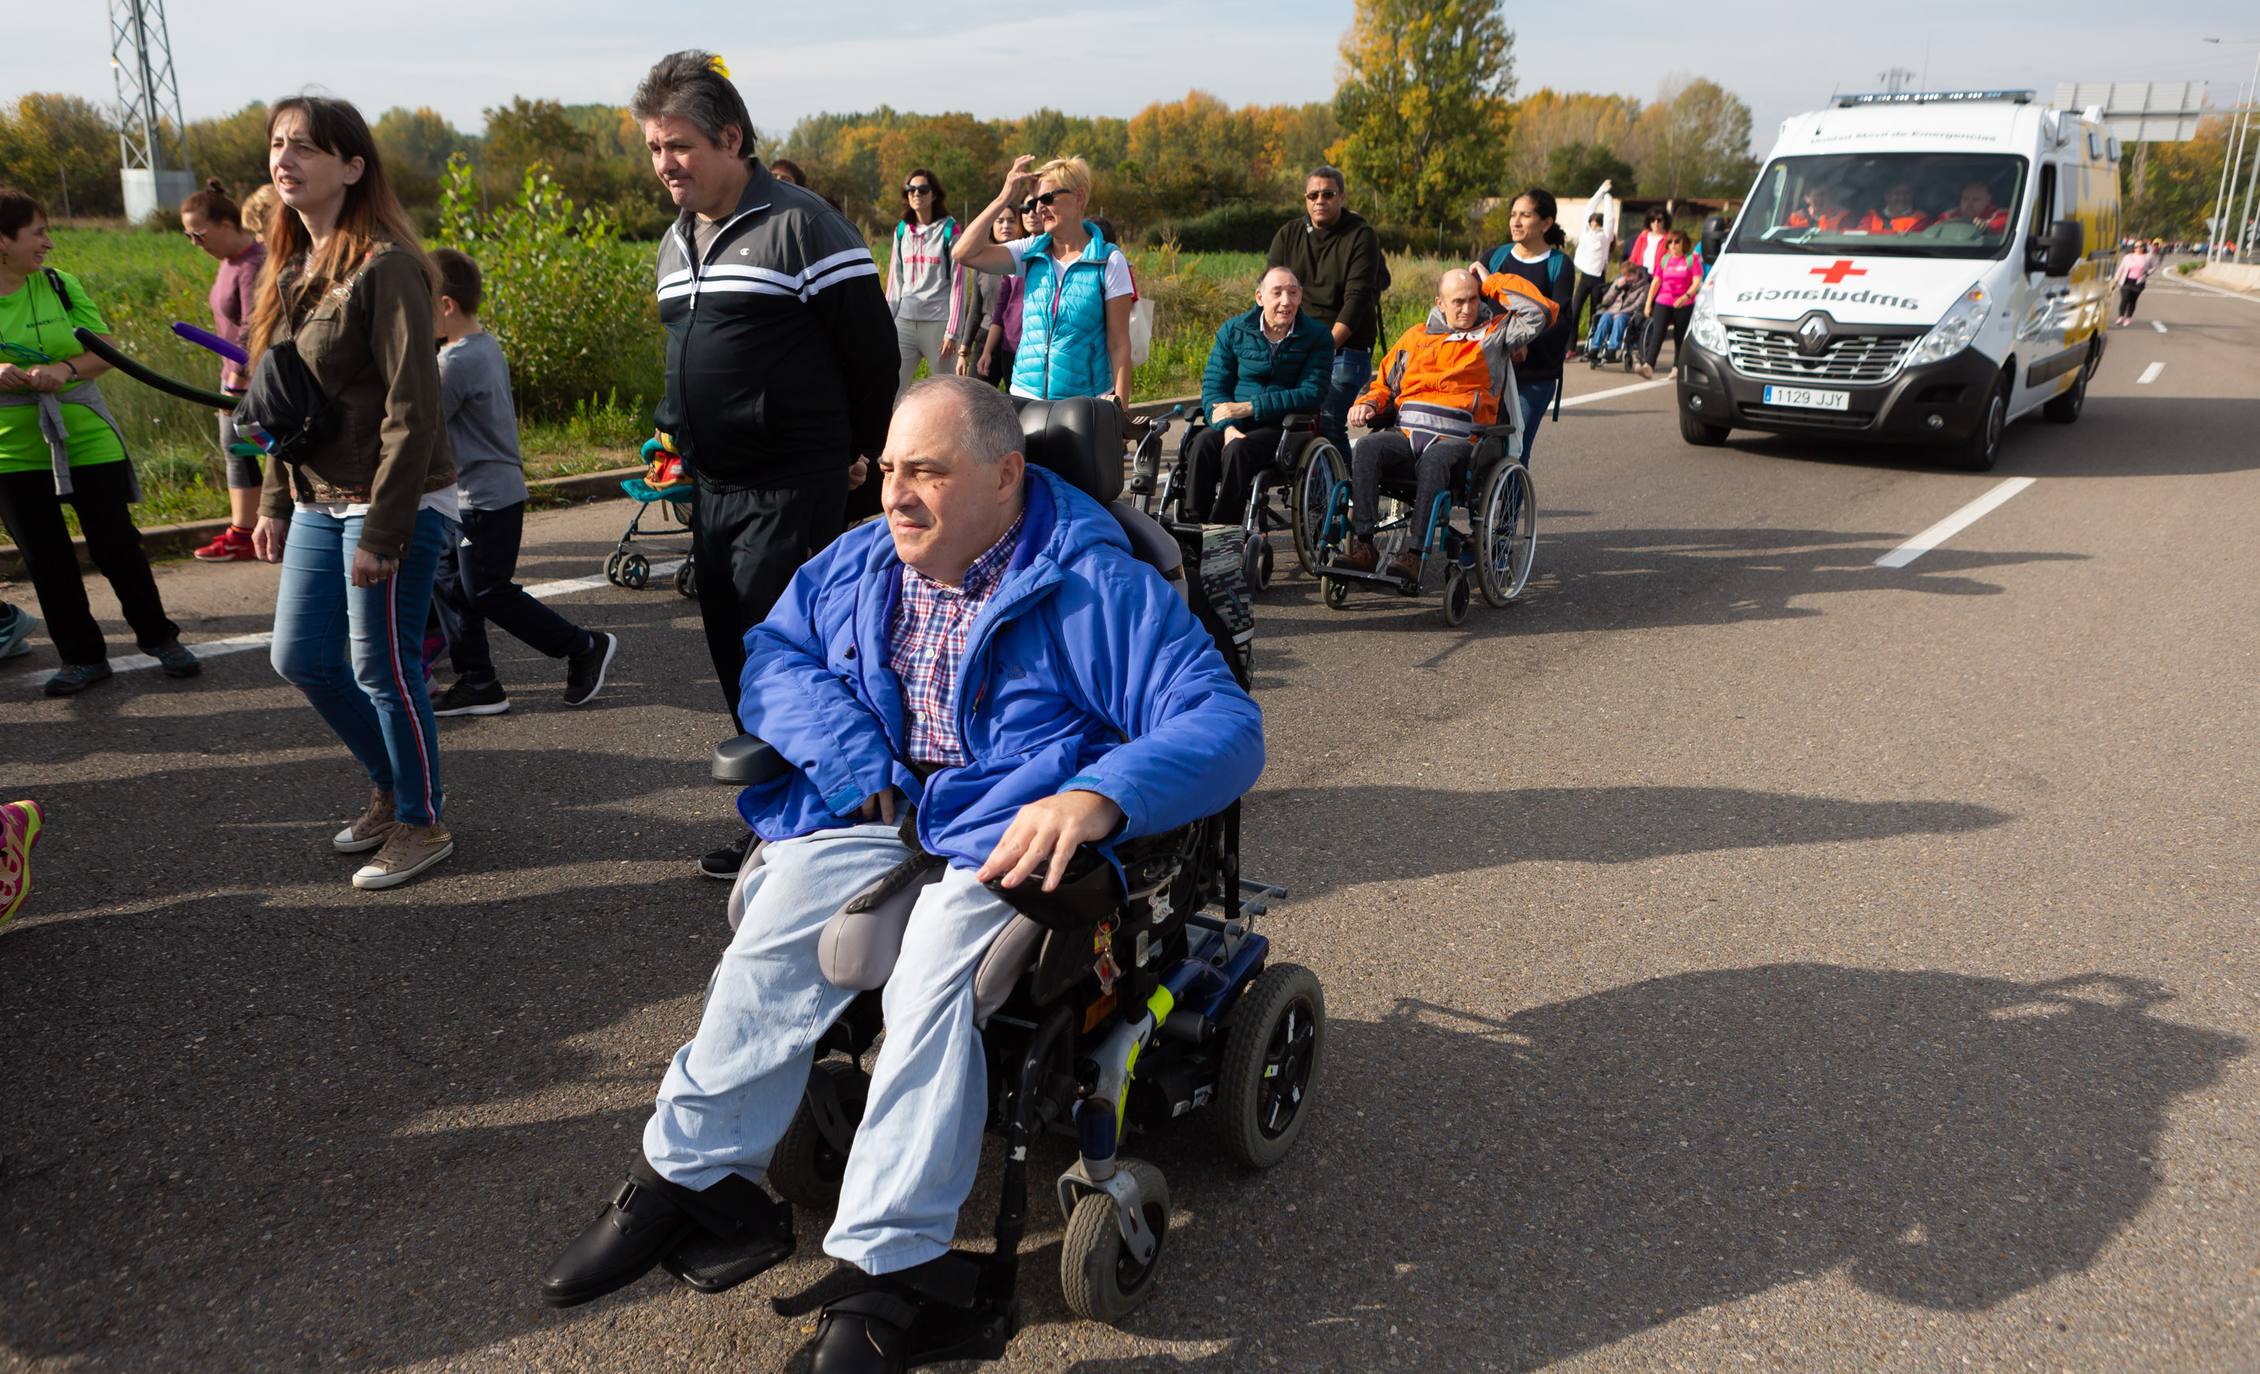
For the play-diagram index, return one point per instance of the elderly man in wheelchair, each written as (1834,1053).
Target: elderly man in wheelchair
(995,781)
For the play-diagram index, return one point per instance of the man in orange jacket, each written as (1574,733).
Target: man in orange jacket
(1441,381)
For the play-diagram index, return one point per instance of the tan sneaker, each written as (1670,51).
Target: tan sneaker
(408,851)
(368,832)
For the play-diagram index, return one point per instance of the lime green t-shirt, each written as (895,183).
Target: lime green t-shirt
(31,317)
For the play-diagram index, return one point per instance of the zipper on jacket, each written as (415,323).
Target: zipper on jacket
(697,267)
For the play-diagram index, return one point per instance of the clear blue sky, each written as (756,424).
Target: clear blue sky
(792,58)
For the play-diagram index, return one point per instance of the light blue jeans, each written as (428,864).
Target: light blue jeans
(1353,368)
(732,1090)
(356,652)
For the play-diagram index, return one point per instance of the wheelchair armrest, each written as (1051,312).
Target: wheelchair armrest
(1090,892)
(746,760)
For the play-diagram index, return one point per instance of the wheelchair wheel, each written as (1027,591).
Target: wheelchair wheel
(1274,1044)
(1322,468)
(686,580)
(1457,594)
(635,572)
(612,566)
(1258,563)
(807,1168)
(1506,532)
(1101,1280)
(1335,591)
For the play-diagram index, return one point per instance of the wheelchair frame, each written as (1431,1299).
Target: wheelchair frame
(1163,493)
(1498,548)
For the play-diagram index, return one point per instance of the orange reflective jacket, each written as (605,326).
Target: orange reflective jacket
(1447,375)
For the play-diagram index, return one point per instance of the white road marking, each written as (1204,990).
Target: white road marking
(2150,374)
(2159,325)
(1953,524)
(2246,296)
(239,644)
(1569,401)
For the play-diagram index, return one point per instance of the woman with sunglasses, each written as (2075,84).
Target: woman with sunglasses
(1076,291)
(58,443)
(923,284)
(358,517)
(214,223)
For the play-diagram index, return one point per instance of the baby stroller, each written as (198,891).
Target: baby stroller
(666,485)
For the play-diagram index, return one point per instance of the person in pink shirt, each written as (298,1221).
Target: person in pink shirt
(2133,274)
(214,223)
(1671,299)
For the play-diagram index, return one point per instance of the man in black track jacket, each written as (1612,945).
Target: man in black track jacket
(780,359)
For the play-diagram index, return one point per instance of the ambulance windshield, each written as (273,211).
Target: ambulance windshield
(1931,205)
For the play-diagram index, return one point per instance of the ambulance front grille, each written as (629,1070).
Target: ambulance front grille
(1850,359)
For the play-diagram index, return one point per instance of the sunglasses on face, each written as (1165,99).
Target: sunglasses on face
(1322,195)
(919,189)
(196,236)
(1028,206)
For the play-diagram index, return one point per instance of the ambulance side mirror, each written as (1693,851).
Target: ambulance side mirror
(2058,253)
(1714,237)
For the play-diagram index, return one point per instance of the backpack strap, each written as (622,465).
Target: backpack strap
(62,292)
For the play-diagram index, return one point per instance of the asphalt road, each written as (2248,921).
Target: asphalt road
(1736,953)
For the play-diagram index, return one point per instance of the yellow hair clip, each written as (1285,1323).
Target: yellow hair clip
(720,68)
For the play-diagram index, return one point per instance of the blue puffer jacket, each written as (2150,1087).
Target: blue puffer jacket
(1063,323)
(1286,379)
(1085,671)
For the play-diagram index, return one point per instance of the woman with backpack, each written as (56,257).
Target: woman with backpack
(1671,300)
(58,443)
(360,489)
(1533,252)
(1076,291)
(924,287)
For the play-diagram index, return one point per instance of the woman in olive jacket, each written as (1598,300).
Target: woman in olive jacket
(359,519)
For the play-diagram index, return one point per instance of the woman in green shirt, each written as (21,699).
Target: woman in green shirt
(58,443)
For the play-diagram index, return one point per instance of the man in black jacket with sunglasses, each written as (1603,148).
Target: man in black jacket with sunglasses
(780,360)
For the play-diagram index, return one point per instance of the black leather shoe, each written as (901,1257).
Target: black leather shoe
(638,1226)
(723,864)
(922,1315)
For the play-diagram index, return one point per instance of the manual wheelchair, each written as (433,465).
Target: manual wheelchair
(1304,459)
(1118,1002)
(1495,551)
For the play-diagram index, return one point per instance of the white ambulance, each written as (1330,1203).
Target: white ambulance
(1914,268)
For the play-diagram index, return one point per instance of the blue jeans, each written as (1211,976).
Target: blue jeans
(1609,333)
(1353,368)
(1536,397)
(356,652)
(730,1092)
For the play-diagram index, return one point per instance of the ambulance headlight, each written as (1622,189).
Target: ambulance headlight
(1956,331)
(1703,326)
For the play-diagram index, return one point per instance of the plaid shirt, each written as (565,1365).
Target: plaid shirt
(926,645)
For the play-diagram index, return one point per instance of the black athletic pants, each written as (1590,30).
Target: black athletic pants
(476,584)
(1674,318)
(33,514)
(1589,288)
(1222,473)
(746,544)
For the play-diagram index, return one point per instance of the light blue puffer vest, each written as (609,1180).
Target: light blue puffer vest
(1063,351)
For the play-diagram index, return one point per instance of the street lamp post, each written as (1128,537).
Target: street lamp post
(2232,166)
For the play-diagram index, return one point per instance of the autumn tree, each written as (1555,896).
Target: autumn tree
(63,150)
(1694,140)
(231,148)
(415,145)
(1574,168)
(1548,120)
(1423,103)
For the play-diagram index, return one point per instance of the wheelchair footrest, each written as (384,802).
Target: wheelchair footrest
(1377,578)
(1256,895)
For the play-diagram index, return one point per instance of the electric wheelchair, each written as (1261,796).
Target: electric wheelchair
(1120,1001)
(1495,551)
(1305,465)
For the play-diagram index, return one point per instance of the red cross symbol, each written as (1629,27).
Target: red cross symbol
(1838,271)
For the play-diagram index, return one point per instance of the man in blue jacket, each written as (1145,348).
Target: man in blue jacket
(1265,365)
(994,657)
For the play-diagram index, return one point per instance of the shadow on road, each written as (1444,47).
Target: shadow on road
(1509,1192)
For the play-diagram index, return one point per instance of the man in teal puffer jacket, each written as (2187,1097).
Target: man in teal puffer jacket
(993,656)
(1265,365)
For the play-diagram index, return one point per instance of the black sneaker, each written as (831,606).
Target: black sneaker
(723,864)
(74,678)
(174,657)
(584,671)
(464,699)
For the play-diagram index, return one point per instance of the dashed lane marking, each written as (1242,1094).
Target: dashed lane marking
(1590,397)
(1953,524)
(2159,325)
(2150,374)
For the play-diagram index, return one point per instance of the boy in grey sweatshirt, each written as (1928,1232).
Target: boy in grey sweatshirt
(477,571)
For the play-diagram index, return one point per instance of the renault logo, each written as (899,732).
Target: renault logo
(1812,334)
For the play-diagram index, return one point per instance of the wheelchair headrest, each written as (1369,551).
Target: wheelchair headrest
(1079,438)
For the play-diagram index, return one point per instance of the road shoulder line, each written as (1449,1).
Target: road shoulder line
(1953,524)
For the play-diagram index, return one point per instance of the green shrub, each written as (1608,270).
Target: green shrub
(1239,227)
(571,304)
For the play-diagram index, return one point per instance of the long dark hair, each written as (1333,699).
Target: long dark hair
(371,215)
(939,210)
(1542,200)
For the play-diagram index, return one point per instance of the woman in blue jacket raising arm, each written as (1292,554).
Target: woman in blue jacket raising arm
(1075,308)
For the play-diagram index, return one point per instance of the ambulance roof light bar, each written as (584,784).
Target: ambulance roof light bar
(1845,102)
